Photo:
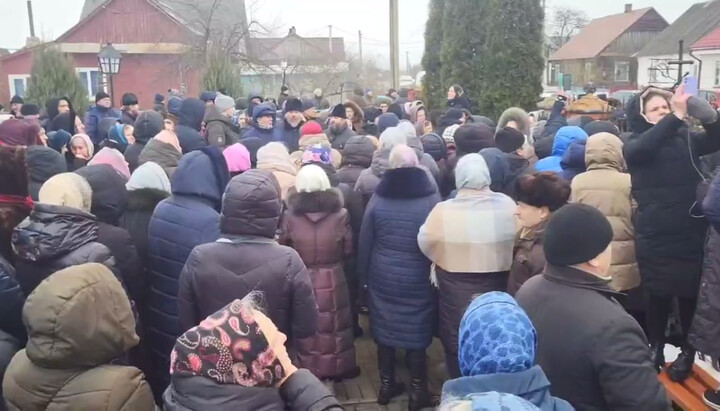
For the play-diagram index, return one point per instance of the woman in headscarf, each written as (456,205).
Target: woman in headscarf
(14,132)
(497,353)
(164,150)
(354,115)
(81,150)
(114,159)
(236,359)
(237,158)
(397,274)
(275,157)
(470,240)
(318,228)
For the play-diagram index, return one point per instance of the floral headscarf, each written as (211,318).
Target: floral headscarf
(229,348)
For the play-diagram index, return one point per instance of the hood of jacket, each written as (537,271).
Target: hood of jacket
(566,136)
(415,143)
(604,151)
(192,112)
(196,176)
(213,114)
(499,168)
(42,163)
(405,183)
(380,162)
(634,108)
(109,195)
(519,116)
(358,151)
(517,164)
(52,231)
(163,154)
(79,317)
(574,157)
(274,156)
(149,175)
(201,393)
(315,205)
(251,205)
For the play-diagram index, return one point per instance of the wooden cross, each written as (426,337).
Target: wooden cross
(680,63)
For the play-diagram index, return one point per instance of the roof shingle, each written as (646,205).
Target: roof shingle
(696,22)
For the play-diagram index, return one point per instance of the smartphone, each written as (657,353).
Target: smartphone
(691,85)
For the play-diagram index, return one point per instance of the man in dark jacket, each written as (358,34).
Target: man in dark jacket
(263,116)
(188,218)
(246,258)
(593,352)
(192,112)
(130,108)
(218,122)
(147,126)
(544,143)
(356,157)
(102,109)
(339,131)
(288,131)
(512,143)
(16,103)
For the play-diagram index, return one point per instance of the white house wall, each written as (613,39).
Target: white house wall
(644,64)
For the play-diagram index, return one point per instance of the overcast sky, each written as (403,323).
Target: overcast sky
(311,18)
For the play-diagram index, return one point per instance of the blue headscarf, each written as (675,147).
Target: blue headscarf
(57,140)
(117,134)
(496,336)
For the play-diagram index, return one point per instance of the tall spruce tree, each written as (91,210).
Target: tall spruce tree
(463,46)
(53,75)
(432,82)
(222,73)
(514,63)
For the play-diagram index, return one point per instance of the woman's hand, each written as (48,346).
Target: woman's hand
(679,102)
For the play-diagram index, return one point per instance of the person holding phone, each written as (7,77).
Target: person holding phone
(662,158)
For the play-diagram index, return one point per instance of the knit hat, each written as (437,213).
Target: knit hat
(495,337)
(101,95)
(434,145)
(311,178)
(598,126)
(316,154)
(129,99)
(223,102)
(385,121)
(509,139)
(307,104)
(473,138)
(576,233)
(338,111)
(148,124)
(206,96)
(16,100)
(293,104)
(30,110)
(310,128)
(159,98)
(237,157)
(173,106)
(449,133)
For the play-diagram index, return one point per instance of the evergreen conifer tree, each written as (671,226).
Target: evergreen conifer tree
(53,75)
(222,73)
(432,82)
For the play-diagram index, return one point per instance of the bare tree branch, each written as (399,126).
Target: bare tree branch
(565,23)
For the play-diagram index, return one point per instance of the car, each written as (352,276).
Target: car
(711,96)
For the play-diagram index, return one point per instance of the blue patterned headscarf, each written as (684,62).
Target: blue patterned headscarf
(496,336)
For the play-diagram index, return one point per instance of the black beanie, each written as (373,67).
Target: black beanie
(101,95)
(601,126)
(338,111)
(471,138)
(129,99)
(576,233)
(30,109)
(16,100)
(509,139)
(148,124)
(293,104)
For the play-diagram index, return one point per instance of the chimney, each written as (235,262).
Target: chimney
(628,7)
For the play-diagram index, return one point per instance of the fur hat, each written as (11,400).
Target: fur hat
(129,99)
(544,189)
(473,138)
(293,104)
(338,111)
(509,139)
(311,178)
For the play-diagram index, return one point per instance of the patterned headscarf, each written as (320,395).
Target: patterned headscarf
(228,347)
(496,336)
(316,154)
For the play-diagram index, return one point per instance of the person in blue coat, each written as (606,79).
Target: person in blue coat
(263,124)
(496,352)
(190,217)
(288,130)
(573,161)
(192,113)
(101,110)
(397,274)
(564,137)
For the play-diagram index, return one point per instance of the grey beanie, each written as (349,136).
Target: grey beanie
(223,102)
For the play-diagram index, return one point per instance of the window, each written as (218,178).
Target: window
(588,71)
(553,71)
(622,71)
(660,72)
(18,84)
(717,73)
(92,80)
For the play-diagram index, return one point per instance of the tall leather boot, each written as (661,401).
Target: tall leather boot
(681,368)
(419,397)
(657,356)
(386,365)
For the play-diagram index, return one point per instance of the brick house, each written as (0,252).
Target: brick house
(603,52)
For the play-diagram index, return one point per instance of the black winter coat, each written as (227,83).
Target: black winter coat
(12,300)
(218,128)
(9,346)
(593,352)
(247,258)
(53,238)
(662,161)
(390,263)
(544,142)
(357,155)
(137,215)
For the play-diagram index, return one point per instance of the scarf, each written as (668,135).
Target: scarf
(24,203)
(228,347)
(114,159)
(170,138)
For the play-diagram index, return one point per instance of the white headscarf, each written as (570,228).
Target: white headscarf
(472,172)
(149,175)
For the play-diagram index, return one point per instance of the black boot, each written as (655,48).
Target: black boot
(681,368)
(712,399)
(386,365)
(657,356)
(419,397)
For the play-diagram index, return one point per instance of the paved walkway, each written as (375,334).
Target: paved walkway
(360,394)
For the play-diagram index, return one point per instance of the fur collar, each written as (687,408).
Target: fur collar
(328,201)
(145,199)
(405,183)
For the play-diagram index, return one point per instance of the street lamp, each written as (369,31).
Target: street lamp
(109,59)
(284,67)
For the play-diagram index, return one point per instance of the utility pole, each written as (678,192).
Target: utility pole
(330,37)
(407,63)
(360,47)
(394,44)
(30,17)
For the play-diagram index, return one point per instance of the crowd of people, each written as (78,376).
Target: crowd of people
(209,254)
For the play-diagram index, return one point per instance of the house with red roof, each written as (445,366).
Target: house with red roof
(602,53)
(707,51)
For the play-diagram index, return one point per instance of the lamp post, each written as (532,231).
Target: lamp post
(109,60)
(284,67)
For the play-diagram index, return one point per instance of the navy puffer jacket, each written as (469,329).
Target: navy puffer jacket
(390,263)
(12,300)
(188,218)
